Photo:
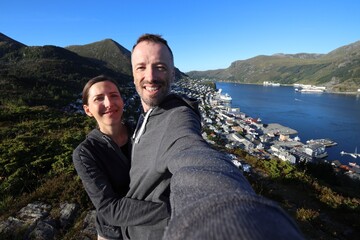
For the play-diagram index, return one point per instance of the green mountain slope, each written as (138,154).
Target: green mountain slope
(112,54)
(7,45)
(46,75)
(338,70)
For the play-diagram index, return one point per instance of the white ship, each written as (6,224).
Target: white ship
(310,89)
(224,97)
(314,90)
(266,83)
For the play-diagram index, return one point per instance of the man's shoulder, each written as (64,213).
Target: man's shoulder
(174,101)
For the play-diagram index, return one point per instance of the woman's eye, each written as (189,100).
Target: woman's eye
(98,99)
(140,68)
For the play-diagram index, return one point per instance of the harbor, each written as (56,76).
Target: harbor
(261,139)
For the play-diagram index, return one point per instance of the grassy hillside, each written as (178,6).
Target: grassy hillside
(338,71)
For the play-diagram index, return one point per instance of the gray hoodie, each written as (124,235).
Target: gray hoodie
(159,143)
(104,170)
(210,198)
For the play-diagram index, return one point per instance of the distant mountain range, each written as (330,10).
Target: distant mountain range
(338,70)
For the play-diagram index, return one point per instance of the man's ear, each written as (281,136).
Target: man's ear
(87,110)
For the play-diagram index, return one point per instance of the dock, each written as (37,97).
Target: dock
(324,141)
(354,154)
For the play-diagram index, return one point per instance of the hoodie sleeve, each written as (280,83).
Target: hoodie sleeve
(183,145)
(186,148)
(207,205)
(209,197)
(117,210)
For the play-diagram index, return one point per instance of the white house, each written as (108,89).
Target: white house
(315,150)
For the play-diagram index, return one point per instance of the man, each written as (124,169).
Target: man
(168,147)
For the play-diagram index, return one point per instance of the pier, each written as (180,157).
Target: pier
(354,154)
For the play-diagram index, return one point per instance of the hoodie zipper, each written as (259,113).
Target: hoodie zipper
(138,134)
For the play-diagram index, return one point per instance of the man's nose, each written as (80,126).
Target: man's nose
(150,74)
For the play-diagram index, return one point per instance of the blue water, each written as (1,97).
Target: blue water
(313,115)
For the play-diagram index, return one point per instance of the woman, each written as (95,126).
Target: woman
(102,161)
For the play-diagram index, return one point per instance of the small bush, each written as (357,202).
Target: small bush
(303,214)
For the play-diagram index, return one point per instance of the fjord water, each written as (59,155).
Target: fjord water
(313,115)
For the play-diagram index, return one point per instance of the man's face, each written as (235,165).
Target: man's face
(153,71)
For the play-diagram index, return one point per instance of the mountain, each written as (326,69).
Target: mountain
(48,75)
(108,52)
(112,54)
(8,45)
(338,70)
(51,75)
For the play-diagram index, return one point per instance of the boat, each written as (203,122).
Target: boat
(310,89)
(273,84)
(314,90)
(225,97)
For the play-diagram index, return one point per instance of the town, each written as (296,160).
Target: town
(264,141)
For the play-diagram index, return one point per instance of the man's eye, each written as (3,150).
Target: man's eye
(161,68)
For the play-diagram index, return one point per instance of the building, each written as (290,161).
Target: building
(315,150)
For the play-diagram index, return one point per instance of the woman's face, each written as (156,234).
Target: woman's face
(105,105)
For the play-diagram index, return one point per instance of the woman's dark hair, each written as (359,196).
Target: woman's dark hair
(101,78)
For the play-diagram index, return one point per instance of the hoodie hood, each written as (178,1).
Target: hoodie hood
(174,100)
(170,101)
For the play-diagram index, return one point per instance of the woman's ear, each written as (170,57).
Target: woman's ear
(87,110)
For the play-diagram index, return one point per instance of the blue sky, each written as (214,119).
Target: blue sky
(203,34)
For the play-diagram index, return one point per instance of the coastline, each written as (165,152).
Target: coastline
(292,85)
(227,122)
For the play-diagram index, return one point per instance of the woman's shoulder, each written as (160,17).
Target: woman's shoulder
(92,140)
